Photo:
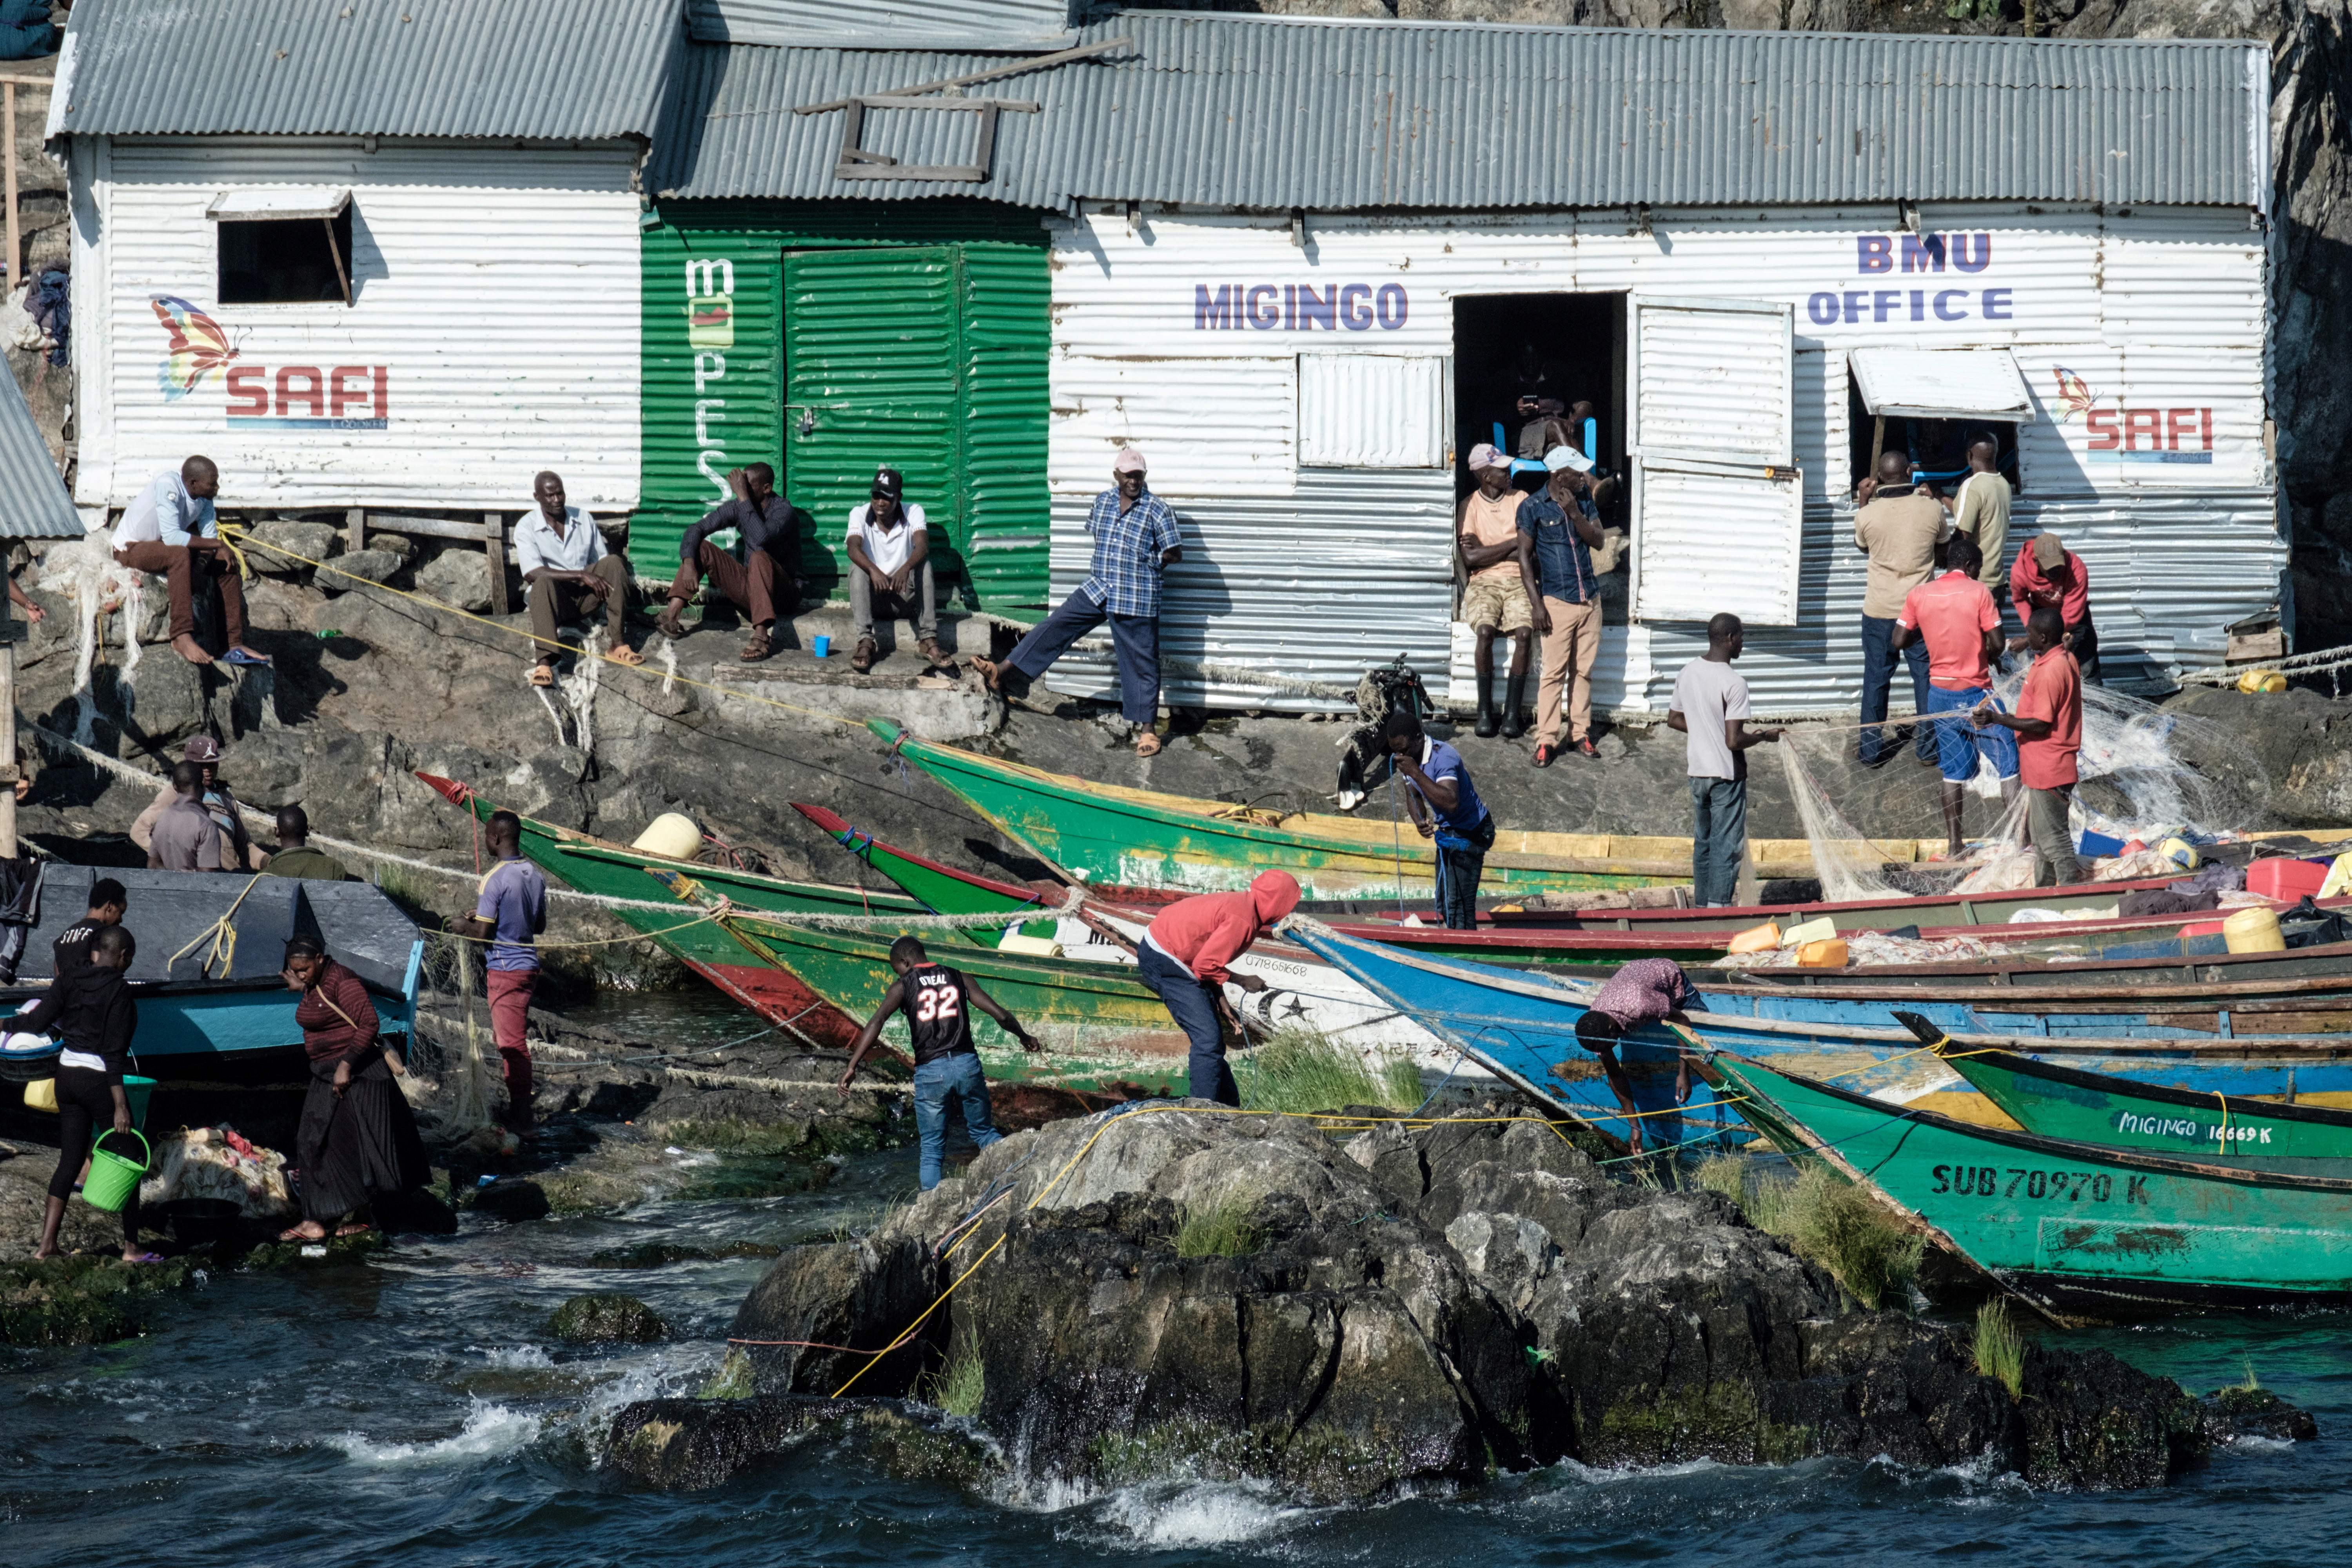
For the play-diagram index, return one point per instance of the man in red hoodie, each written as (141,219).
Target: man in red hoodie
(1183,957)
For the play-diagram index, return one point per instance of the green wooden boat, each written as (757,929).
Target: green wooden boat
(1108,834)
(2221,1129)
(2081,1230)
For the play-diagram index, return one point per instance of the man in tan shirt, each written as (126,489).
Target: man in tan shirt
(1496,597)
(1898,527)
(1980,510)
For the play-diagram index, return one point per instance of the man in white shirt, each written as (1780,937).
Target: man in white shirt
(170,531)
(890,570)
(565,560)
(1710,706)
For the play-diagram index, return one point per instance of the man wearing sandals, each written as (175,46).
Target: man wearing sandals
(890,571)
(171,530)
(765,578)
(1135,538)
(565,560)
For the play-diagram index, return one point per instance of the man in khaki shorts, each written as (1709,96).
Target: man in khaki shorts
(1496,597)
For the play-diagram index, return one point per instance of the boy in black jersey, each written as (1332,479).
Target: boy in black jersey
(938,1001)
(108,904)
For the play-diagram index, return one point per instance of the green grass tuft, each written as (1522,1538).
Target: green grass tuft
(2252,1383)
(1304,1069)
(2000,1347)
(1831,1221)
(1726,1174)
(960,1385)
(1219,1230)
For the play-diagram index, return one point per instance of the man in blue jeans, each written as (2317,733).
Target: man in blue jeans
(1710,706)
(1953,614)
(938,1001)
(1899,527)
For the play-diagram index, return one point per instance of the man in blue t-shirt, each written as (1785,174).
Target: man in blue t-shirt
(510,914)
(1444,806)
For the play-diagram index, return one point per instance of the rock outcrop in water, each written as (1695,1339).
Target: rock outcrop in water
(1215,1296)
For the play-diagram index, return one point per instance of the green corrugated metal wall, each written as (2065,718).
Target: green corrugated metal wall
(917,337)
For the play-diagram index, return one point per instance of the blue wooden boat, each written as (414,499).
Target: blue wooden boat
(215,1019)
(1521,1026)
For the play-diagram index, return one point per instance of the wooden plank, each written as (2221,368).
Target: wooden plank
(464,528)
(494,540)
(355,522)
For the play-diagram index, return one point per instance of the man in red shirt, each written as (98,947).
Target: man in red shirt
(1953,613)
(2047,573)
(1183,957)
(2049,724)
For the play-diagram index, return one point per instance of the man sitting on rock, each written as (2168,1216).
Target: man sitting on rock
(938,1001)
(767,577)
(889,551)
(171,530)
(565,560)
(237,848)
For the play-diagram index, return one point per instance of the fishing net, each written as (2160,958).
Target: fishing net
(2147,774)
(458,1079)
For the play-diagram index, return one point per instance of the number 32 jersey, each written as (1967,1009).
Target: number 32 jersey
(938,1012)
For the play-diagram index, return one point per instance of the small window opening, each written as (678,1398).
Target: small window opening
(287,261)
(1938,448)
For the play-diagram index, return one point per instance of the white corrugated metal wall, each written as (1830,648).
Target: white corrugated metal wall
(496,291)
(2157,312)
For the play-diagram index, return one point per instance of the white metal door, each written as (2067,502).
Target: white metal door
(1718,510)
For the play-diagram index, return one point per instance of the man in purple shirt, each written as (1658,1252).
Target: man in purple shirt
(510,914)
(1643,991)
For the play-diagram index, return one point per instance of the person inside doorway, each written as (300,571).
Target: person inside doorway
(1899,528)
(1494,599)
(1559,527)
(568,571)
(1136,539)
(171,529)
(1954,616)
(890,571)
(765,581)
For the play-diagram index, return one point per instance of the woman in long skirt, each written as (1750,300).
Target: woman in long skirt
(357,1142)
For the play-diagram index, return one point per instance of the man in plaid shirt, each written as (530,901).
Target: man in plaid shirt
(1135,536)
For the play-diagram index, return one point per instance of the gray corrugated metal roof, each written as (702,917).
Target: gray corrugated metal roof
(883,23)
(542,69)
(1274,112)
(33,500)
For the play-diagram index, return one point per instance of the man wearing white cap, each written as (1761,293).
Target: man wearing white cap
(1496,597)
(1559,526)
(1135,537)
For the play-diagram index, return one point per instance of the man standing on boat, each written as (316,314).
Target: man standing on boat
(2049,725)
(510,914)
(938,1001)
(1184,956)
(1444,807)
(1135,539)
(1954,616)
(1710,706)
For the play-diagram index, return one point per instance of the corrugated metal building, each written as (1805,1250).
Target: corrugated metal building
(1304,264)
(378,253)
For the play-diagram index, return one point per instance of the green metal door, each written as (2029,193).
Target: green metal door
(873,356)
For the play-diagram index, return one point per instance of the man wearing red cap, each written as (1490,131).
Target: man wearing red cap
(1135,537)
(1184,958)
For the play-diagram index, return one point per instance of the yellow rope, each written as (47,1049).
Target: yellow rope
(223,935)
(551,646)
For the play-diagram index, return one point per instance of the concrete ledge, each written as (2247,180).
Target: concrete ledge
(946,712)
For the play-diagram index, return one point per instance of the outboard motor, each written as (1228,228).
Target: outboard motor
(1384,690)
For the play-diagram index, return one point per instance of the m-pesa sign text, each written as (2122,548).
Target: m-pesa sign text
(283,397)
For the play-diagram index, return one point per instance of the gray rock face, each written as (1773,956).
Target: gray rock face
(375,566)
(457,576)
(315,540)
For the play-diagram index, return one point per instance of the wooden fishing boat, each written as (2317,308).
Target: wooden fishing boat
(1095,833)
(587,864)
(1521,1024)
(2080,1229)
(216,1028)
(2054,1101)
(2027,1002)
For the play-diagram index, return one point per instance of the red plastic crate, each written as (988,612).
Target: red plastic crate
(2286,880)
(2202,927)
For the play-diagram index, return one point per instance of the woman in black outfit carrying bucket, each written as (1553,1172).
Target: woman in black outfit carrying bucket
(93,1005)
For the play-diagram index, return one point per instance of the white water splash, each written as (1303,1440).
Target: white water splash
(491,1431)
(519,1358)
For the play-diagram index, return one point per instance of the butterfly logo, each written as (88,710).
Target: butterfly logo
(2074,395)
(198,347)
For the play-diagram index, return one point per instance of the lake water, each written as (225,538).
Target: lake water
(413,1410)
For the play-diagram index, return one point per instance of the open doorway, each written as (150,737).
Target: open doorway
(1562,350)
(1938,447)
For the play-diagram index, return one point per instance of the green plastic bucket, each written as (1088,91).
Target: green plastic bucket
(112,1178)
(136,1090)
